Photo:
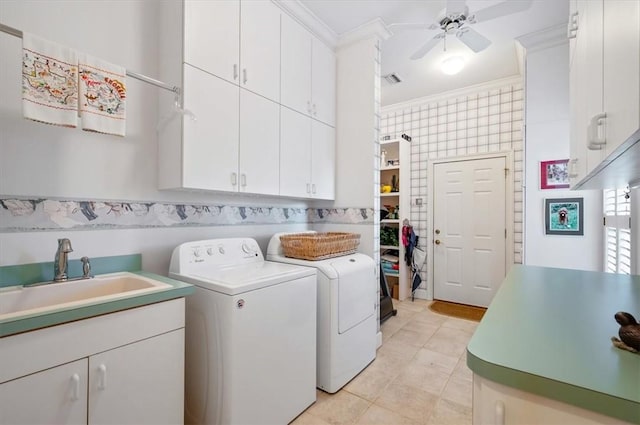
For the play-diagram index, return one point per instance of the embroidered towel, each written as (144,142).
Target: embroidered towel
(102,96)
(49,82)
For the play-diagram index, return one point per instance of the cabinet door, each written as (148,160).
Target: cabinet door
(140,383)
(260,48)
(53,396)
(212,37)
(259,144)
(578,91)
(621,70)
(591,34)
(323,83)
(323,161)
(295,154)
(210,144)
(295,78)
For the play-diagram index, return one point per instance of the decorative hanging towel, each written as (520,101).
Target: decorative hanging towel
(49,82)
(102,96)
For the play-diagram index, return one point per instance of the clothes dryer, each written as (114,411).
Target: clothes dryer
(346,316)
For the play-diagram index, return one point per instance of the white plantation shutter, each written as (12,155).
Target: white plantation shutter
(617,222)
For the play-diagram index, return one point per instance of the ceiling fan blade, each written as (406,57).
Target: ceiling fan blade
(455,7)
(426,47)
(473,39)
(502,9)
(412,26)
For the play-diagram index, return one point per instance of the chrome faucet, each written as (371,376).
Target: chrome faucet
(61,262)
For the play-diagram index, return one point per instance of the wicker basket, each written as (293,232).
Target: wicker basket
(319,246)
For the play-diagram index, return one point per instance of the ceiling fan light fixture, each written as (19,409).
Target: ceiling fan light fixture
(452,65)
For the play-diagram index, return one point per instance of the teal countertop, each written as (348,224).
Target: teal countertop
(131,263)
(548,331)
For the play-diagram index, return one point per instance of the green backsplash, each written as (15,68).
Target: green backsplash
(24,274)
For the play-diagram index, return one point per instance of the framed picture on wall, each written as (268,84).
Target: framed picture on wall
(563,216)
(554,174)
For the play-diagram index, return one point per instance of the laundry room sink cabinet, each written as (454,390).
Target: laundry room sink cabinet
(126,368)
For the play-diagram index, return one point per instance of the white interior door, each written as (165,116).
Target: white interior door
(469,230)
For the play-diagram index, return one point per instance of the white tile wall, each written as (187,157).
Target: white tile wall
(485,121)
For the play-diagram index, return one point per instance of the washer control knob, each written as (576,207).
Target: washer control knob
(221,249)
(209,252)
(246,248)
(196,252)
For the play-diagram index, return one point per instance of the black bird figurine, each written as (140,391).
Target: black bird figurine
(629,332)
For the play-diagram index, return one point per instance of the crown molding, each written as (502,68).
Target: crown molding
(453,94)
(374,28)
(309,20)
(545,38)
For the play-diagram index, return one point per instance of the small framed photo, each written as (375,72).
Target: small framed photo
(563,216)
(554,174)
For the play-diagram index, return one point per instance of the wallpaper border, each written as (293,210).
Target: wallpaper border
(41,214)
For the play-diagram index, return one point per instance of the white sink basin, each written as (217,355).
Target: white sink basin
(20,301)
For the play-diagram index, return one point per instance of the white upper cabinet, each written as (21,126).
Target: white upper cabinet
(237,63)
(308,75)
(296,66)
(307,157)
(295,154)
(621,91)
(323,165)
(260,48)
(259,168)
(210,146)
(605,86)
(236,41)
(323,87)
(212,37)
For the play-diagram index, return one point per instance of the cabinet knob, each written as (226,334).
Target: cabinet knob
(499,412)
(244,76)
(102,380)
(597,132)
(243,179)
(235,71)
(572,26)
(75,387)
(234,179)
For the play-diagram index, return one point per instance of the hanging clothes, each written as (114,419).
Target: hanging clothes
(409,241)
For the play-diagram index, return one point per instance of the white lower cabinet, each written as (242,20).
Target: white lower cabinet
(307,157)
(121,368)
(498,404)
(53,396)
(124,383)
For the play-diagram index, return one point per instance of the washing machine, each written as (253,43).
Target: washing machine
(346,314)
(250,343)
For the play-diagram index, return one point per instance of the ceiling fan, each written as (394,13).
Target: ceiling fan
(456,20)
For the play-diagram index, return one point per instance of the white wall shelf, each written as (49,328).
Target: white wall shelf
(396,149)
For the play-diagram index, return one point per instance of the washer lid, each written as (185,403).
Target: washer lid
(232,280)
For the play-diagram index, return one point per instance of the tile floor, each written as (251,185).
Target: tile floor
(419,376)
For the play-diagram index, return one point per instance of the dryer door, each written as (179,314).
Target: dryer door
(356,290)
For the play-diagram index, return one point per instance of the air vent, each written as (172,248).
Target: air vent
(392,78)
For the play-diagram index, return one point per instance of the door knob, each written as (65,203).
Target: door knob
(437,241)
(437,231)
